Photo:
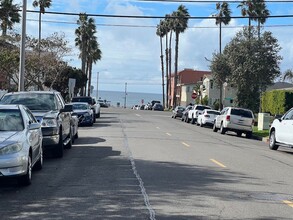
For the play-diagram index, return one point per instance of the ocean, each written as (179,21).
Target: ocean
(132,98)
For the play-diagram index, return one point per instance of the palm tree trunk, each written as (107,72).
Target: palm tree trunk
(167,72)
(162,66)
(170,68)
(83,63)
(90,65)
(176,70)
(220,37)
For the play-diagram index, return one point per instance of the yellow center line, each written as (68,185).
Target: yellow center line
(187,145)
(168,134)
(289,203)
(218,163)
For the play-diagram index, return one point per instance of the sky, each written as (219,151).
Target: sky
(130,47)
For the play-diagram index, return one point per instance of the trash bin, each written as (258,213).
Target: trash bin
(263,121)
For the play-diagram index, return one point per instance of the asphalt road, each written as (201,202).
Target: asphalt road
(135,164)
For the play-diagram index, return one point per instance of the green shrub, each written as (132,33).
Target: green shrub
(277,102)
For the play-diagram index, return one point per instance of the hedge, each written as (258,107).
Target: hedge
(277,102)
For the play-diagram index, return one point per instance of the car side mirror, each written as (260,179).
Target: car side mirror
(34,126)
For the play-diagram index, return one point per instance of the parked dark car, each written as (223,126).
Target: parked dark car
(158,107)
(50,110)
(96,107)
(177,112)
(84,113)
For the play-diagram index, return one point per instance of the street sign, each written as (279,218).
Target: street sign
(194,95)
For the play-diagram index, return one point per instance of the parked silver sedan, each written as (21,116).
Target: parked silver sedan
(20,143)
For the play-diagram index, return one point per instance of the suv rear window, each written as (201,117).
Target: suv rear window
(241,112)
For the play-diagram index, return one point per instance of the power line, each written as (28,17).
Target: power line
(153,17)
(154,26)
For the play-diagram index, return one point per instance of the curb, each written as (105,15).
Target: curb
(263,139)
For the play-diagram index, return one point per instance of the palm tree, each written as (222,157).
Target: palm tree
(168,25)
(223,16)
(8,15)
(94,54)
(180,19)
(261,12)
(161,32)
(42,4)
(247,9)
(288,75)
(84,33)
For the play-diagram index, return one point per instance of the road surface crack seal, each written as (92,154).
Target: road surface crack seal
(141,185)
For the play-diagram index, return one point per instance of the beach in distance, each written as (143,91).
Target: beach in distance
(132,98)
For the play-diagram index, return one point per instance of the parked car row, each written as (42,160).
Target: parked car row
(35,122)
(238,120)
(153,105)
(234,119)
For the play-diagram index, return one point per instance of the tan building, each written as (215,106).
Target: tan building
(187,79)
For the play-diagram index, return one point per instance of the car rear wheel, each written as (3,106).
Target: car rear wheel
(26,179)
(249,134)
(215,129)
(272,144)
(239,133)
(222,129)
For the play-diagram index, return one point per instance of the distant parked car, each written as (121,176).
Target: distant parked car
(21,143)
(103,103)
(184,116)
(177,111)
(158,107)
(207,117)
(84,113)
(195,112)
(96,107)
(281,131)
(142,107)
(239,120)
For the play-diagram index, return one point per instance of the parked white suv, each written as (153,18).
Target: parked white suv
(239,120)
(195,112)
(281,131)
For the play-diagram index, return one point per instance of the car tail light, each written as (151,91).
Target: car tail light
(228,117)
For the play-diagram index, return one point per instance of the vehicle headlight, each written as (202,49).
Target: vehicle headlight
(49,122)
(11,149)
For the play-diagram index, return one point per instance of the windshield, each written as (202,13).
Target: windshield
(80,107)
(34,101)
(10,120)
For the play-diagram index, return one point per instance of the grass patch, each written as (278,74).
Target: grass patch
(264,133)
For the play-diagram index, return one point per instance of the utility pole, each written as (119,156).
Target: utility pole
(22,49)
(125,95)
